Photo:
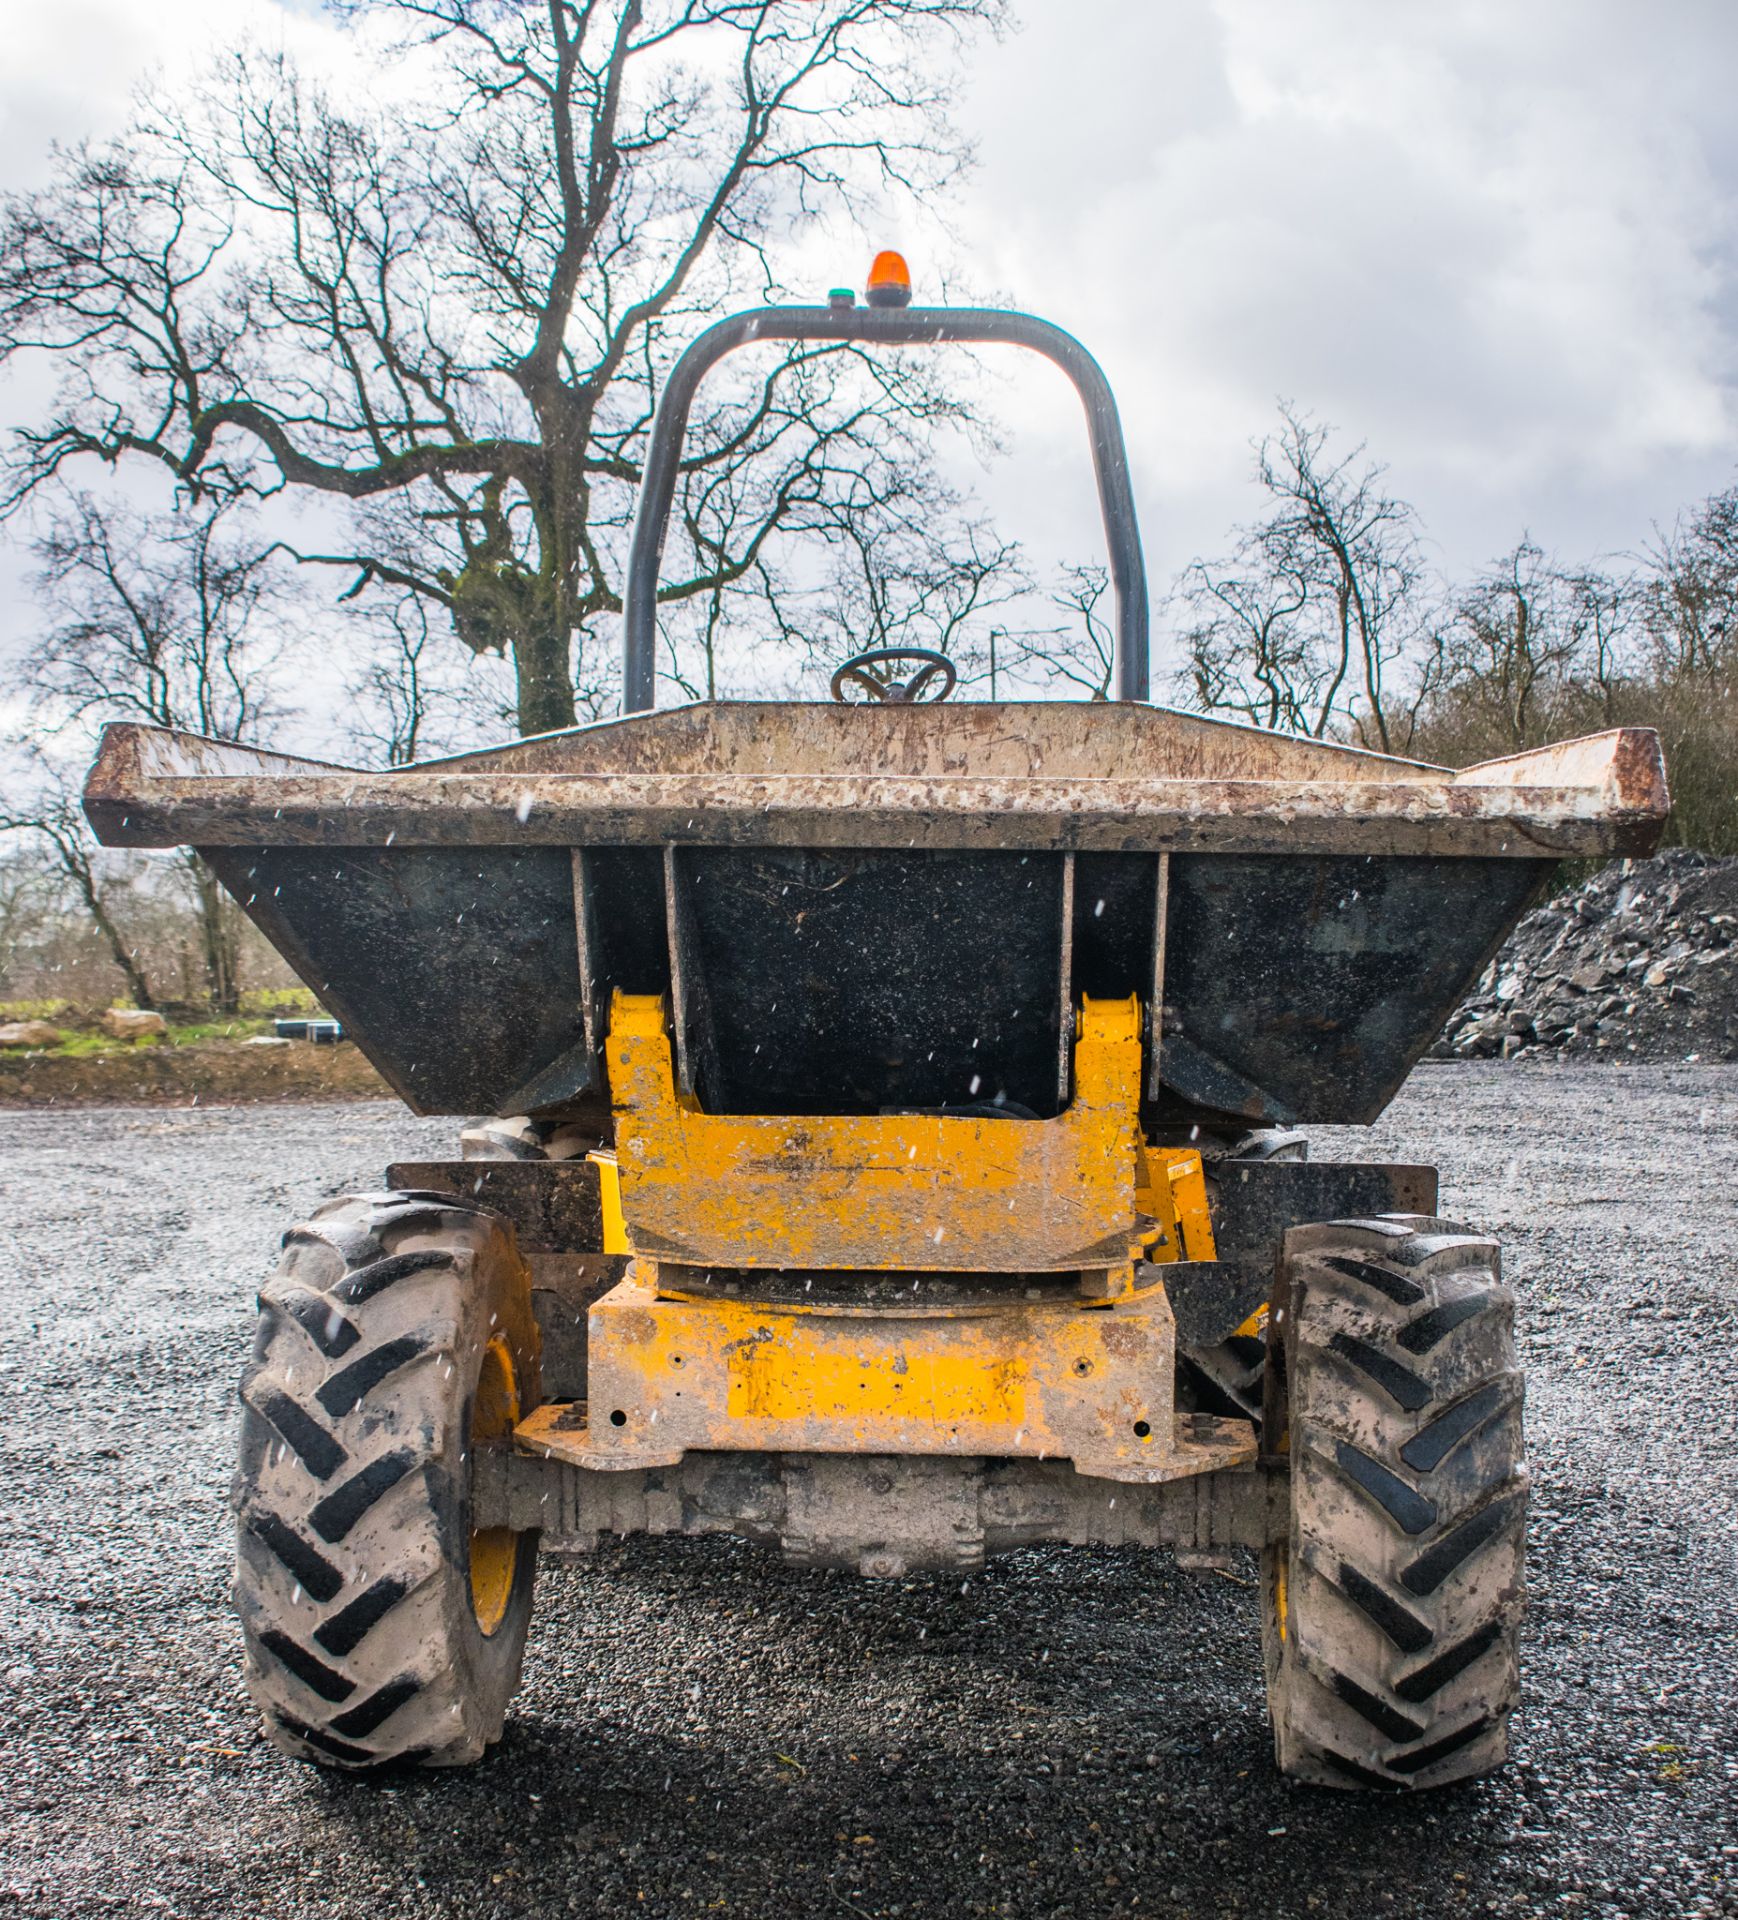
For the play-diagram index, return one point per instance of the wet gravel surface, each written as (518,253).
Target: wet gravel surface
(703,1730)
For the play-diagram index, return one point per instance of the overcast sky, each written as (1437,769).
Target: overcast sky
(1495,241)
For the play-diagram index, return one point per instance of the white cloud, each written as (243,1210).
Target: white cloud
(70,73)
(72,68)
(1497,242)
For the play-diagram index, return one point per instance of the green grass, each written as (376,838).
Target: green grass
(34,1009)
(77,1041)
(262,1003)
(272,1000)
(75,1046)
(239,1028)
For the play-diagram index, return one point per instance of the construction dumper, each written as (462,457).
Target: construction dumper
(888,1152)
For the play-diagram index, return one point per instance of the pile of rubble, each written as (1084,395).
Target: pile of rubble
(1639,963)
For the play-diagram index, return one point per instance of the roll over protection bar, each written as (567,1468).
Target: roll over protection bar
(886,327)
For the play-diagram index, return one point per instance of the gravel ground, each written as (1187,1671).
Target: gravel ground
(1075,1734)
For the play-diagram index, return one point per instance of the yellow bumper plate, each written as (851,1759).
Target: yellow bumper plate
(1051,1380)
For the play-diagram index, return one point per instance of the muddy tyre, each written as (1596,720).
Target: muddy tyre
(379,1625)
(1392,1612)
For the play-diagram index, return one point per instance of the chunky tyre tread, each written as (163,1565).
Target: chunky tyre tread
(1403,1578)
(352,1492)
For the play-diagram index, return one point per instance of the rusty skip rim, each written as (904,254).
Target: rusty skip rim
(1606,794)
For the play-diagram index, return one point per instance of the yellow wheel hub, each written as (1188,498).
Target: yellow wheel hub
(494,1550)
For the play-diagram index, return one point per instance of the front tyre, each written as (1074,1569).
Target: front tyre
(1392,1611)
(380,1625)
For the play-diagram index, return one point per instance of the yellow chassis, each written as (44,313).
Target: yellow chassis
(707,1344)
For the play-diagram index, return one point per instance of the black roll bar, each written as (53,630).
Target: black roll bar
(885,326)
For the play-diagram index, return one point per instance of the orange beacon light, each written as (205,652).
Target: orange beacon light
(889,281)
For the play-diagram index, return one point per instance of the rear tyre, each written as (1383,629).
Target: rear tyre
(380,1626)
(1391,1613)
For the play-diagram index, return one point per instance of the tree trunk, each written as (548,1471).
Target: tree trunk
(119,951)
(219,938)
(542,663)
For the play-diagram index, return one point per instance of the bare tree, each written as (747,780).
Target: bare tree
(1323,621)
(395,694)
(1530,652)
(1080,653)
(1249,651)
(175,624)
(1691,590)
(1685,681)
(56,823)
(1603,613)
(175,621)
(26,888)
(454,316)
(905,578)
(1514,647)
(1307,624)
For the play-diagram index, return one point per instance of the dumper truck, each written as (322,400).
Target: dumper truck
(887,1146)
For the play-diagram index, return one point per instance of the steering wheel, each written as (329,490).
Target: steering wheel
(873,675)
